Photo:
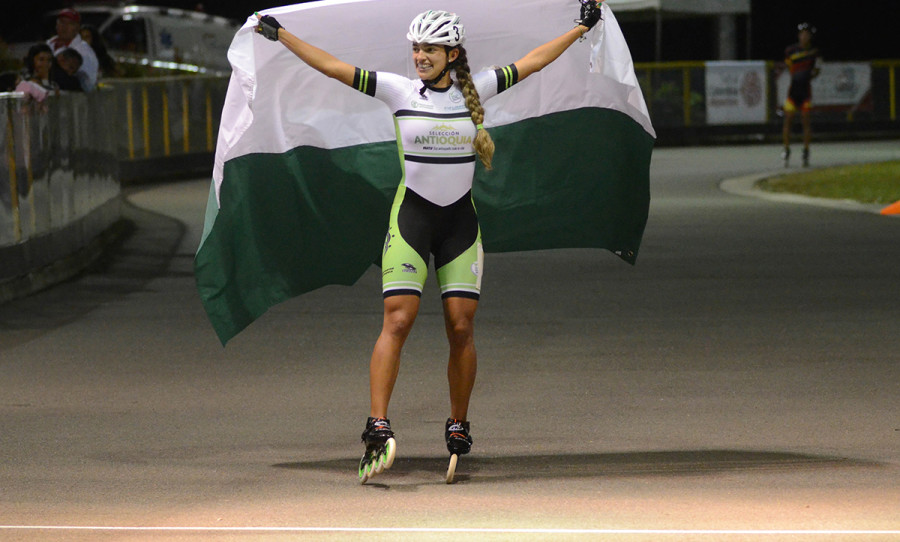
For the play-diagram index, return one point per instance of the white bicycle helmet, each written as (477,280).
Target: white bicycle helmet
(438,28)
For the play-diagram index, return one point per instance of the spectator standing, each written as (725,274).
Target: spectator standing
(802,61)
(68,36)
(92,37)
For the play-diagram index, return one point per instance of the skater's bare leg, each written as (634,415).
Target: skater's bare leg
(807,128)
(786,128)
(399,314)
(459,317)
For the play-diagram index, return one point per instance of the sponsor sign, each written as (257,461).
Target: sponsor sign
(736,92)
(838,84)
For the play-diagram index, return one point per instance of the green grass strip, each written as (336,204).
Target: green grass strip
(865,183)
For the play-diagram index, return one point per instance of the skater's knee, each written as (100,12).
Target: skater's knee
(459,319)
(398,324)
(400,313)
(460,331)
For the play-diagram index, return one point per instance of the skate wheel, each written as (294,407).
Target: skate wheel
(390,450)
(385,459)
(378,464)
(367,467)
(363,471)
(377,460)
(451,470)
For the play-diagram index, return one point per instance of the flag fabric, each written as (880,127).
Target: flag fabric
(306,167)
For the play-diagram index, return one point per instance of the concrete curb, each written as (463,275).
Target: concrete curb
(65,267)
(142,242)
(746,186)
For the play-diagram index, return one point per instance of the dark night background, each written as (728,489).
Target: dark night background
(859,31)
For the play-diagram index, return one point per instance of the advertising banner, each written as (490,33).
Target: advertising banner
(736,92)
(838,84)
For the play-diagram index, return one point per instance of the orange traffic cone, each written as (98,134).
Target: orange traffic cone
(892,209)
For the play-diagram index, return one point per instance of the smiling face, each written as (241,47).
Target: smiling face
(42,63)
(430,60)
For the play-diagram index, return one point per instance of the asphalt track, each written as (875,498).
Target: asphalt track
(741,382)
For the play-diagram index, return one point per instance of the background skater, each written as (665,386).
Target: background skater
(802,61)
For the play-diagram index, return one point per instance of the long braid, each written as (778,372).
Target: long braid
(484,145)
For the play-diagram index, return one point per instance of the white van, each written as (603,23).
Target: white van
(166,38)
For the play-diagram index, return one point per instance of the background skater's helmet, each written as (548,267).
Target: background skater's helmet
(806,26)
(437,28)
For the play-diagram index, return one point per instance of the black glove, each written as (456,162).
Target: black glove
(268,27)
(590,13)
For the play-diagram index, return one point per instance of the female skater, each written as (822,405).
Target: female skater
(440,119)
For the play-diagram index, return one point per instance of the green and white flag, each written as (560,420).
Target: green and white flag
(306,167)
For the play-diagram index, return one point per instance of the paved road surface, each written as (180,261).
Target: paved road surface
(742,377)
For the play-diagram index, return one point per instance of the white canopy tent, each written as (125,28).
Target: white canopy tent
(705,7)
(726,12)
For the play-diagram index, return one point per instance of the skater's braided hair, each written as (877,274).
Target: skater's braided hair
(484,145)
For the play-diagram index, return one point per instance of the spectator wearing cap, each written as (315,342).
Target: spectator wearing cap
(68,27)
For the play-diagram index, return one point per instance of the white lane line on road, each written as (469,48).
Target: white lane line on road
(676,532)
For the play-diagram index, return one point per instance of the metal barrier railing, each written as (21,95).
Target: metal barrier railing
(675,93)
(890,66)
(175,116)
(670,90)
(59,163)
(64,158)
(63,155)
(167,116)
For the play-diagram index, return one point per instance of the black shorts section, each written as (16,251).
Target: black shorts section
(467,295)
(429,229)
(392,293)
(799,94)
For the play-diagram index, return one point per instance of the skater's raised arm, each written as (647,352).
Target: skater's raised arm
(313,56)
(542,56)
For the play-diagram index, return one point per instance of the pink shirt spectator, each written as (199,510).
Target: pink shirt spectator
(34,90)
